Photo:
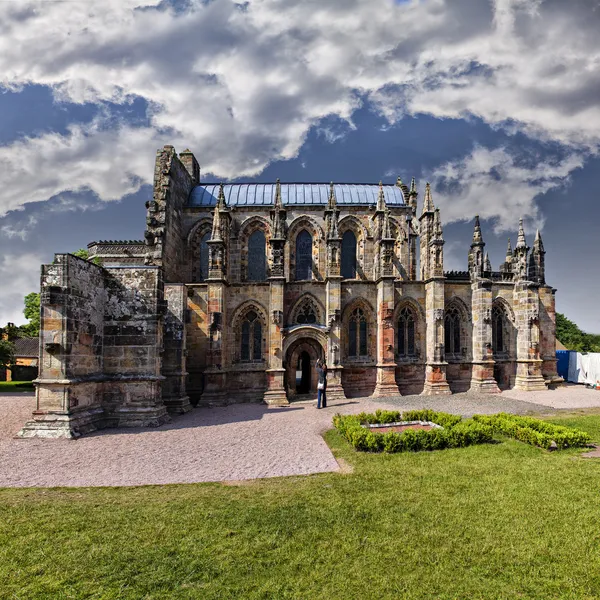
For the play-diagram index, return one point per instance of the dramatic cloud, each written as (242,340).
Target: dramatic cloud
(493,185)
(20,275)
(242,84)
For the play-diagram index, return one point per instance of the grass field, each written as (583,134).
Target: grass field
(16,386)
(494,521)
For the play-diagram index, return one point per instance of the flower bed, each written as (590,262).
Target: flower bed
(451,433)
(534,431)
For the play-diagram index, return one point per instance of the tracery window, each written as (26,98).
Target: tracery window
(257,256)
(452,331)
(303,256)
(498,342)
(251,348)
(357,333)
(204,256)
(306,313)
(406,333)
(349,255)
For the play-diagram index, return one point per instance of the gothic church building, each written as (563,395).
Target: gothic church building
(237,289)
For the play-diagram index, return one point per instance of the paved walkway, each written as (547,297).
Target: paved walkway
(237,442)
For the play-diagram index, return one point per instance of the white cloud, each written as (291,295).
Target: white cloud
(242,84)
(492,184)
(20,275)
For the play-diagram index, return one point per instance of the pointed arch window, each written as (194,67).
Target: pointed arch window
(204,256)
(357,334)
(452,327)
(257,256)
(498,341)
(306,314)
(406,333)
(251,348)
(304,256)
(349,255)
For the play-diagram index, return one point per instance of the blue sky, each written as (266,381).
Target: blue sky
(496,103)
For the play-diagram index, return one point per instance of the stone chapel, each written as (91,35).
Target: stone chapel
(237,289)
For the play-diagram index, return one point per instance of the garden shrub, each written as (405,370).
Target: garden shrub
(534,431)
(455,433)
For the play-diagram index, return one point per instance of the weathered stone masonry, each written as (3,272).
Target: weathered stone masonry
(236,290)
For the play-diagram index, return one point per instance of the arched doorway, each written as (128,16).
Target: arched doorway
(300,360)
(303,373)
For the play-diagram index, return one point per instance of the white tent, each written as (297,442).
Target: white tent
(584,368)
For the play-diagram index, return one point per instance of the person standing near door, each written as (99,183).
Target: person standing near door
(321,367)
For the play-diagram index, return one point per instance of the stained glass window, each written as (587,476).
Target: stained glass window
(251,341)
(452,331)
(406,333)
(257,256)
(497,330)
(303,256)
(349,255)
(204,256)
(357,334)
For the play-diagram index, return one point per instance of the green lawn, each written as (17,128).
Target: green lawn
(16,386)
(493,521)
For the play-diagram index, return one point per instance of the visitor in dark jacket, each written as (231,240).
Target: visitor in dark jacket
(322,384)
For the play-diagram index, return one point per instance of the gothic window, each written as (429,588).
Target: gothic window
(303,256)
(349,255)
(204,256)
(257,256)
(452,331)
(406,333)
(357,334)
(251,349)
(498,330)
(306,314)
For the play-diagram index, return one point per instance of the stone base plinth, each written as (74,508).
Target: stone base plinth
(435,380)
(335,390)
(275,394)
(139,416)
(178,406)
(386,381)
(529,376)
(57,425)
(483,379)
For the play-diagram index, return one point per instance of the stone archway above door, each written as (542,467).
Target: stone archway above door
(297,352)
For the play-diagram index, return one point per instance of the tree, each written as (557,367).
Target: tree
(573,338)
(7,354)
(32,314)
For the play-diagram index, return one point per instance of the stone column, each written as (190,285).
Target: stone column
(335,390)
(386,366)
(548,335)
(174,358)
(215,392)
(435,369)
(482,379)
(527,316)
(275,394)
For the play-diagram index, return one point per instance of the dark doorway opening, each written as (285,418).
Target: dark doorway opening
(303,373)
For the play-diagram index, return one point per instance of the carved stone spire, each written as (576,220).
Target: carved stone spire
(476,255)
(537,261)
(332,203)
(521,242)
(387,230)
(278,203)
(216,225)
(538,245)
(428,206)
(521,251)
(381,199)
(509,252)
(437,225)
(487,265)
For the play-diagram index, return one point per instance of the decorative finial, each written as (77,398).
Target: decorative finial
(509,251)
(487,265)
(428,206)
(413,187)
(477,237)
(538,245)
(332,201)
(278,203)
(521,242)
(437,225)
(221,199)
(381,198)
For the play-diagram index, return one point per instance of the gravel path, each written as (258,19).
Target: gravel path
(245,441)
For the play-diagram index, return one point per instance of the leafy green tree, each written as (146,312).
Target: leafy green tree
(573,338)
(7,354)
(32,314)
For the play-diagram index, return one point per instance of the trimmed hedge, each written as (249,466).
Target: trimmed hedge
(534,431)
(456,433)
